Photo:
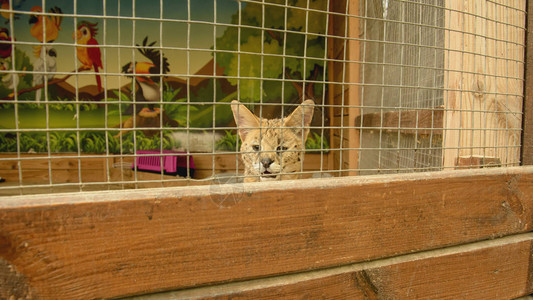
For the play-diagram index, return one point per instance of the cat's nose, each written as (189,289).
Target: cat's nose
(266,162)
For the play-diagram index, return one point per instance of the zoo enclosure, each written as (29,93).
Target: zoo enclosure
(400,86)
(446,234)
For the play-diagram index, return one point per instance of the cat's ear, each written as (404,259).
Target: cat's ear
(246,121)
(301,118)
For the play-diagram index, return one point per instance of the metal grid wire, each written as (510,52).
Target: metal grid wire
(409,69)
(398,86)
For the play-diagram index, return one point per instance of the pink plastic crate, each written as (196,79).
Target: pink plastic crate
(150,161)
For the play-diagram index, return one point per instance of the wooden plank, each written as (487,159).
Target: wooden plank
(483,80)
(121,176)
(65,170)
(469,162)
(336,49)
(201,161)
(527,134)
(33,176)
(353,77)
(111,244)
(347,73)
(496,269)
(421,121)
(56,162)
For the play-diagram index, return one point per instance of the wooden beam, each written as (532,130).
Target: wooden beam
(336,46)
(344,92)
(353,96)
(406,121)
(94,168)
(527,125)
(483,270)
(116,243)
(470,162)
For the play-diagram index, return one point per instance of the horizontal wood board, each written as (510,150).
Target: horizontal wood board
(494,269)
(38,173)
(117,243)
(406,121)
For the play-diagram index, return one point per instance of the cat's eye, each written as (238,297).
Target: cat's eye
(281,148)
(255,147)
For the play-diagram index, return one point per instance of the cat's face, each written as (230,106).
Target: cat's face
(273,149)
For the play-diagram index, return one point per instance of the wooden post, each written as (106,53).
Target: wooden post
(483,80)
(345,93)
(527,126)
(353,77)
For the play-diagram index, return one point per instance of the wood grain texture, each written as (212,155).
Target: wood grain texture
(114,172)
(344,92)
(496,269)
(422,121)
(469,162)
(111,244)
(484,79)
(353,95)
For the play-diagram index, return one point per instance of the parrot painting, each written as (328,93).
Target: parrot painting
(45,28)
(146,74)
(6,6)
(39,22)
(44,66)
(10,80)
(90,57)
(5,48)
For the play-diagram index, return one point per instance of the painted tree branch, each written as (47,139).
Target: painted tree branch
(310,88)
(40,86)
(309,92)
(275,36)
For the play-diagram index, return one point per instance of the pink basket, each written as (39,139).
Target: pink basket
(150,161)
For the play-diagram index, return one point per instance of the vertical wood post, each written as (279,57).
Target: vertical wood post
(353,76)
(527,126)
(345,91)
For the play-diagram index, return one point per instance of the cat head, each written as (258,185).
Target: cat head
(273,149)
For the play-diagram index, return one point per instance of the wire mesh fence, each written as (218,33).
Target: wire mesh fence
(127,94)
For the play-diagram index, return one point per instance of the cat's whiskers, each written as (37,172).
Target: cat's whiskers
(272,149)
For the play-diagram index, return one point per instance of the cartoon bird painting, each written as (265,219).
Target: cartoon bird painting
(90,57)
(45,28)
(12,79)
(6,47)
(9,80)
(44,67)
(141,71)
(149,89)
(6,6)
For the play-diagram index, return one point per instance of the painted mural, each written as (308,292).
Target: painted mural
(140,75)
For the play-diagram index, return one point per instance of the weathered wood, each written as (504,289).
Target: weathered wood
(470,162)
(113,169)
(334,46)
(57,162)
(111,244)
(527,125)
(483,80)
(344,95)
(353,95)
(70,161)
(496,269)
(420,122)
